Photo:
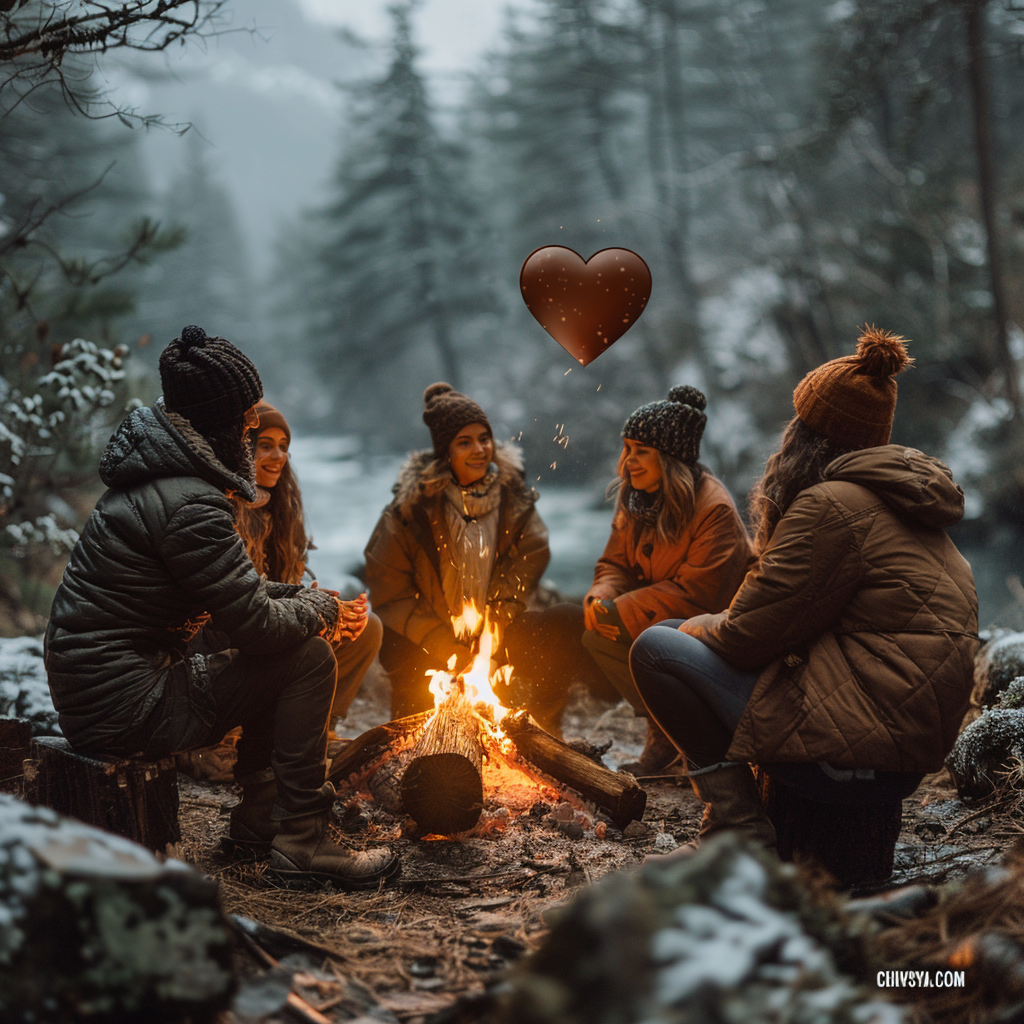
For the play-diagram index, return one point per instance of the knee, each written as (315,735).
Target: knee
(372,635)
(316,653)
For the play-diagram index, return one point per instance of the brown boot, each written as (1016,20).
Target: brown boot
(251,829)
(303,856)
(659,754)
(731,801)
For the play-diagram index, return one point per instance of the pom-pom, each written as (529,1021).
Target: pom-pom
(882,353)
(687,395)
(440,388)
(193,337)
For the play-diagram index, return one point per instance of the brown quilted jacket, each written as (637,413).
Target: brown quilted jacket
(651,580)
(862,617)
(403,555)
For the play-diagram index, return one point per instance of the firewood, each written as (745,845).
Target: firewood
(442,788)
(135,799)
(618,794)
(373,743)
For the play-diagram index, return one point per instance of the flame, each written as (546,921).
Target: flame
(476,680)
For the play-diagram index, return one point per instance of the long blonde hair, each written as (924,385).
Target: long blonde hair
(678,497)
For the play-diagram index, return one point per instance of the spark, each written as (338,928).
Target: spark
(567,372)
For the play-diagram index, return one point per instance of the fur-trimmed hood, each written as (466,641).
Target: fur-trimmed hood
(423,476)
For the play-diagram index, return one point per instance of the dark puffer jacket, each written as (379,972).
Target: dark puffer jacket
(159,551)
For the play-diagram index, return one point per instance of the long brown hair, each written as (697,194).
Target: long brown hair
(275,533)
(798,464)
(678,497)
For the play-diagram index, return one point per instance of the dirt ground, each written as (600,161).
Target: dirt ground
(465,908)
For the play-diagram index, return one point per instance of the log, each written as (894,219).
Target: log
(373,743)
(15,737)
(442,788)
(135,799)
(854,842)
(619,794)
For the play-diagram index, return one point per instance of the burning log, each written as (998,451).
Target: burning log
(373,743)
(618,794)
(442,788)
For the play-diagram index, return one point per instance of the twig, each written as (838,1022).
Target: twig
(981,812)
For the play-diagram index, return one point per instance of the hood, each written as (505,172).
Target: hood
(153,444)
(914,485)
(423,476)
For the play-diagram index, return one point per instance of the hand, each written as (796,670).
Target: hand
(606,629)
(353,616)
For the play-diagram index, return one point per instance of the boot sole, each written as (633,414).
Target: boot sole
(312,881)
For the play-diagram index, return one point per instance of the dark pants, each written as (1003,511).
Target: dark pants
(543,647)
(354,658)
(281,701)
(698,700)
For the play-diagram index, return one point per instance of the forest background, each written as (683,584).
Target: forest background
(356,221)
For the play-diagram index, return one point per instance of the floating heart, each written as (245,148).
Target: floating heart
(585,305)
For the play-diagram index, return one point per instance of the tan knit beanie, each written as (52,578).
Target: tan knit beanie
(852,400)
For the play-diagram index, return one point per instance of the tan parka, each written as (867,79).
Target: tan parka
(862,617)
(403,555)
(650,580)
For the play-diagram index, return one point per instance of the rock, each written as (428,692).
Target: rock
(664,842)
(728,935)
(571,829)
(984,748)
(94,927)
(637,830)
(997,664)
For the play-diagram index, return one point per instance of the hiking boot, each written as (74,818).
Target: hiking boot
(302,856)
(251,829)
(659,754)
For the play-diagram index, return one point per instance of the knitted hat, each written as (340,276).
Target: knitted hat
(271,417)
(852,400)
(674,427)
(207,380)
(445,412)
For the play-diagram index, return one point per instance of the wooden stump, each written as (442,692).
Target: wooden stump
(135,799)
(15,737)
(442,788)
(617,793)
(854,842)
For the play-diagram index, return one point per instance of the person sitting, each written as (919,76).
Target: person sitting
(160,555)
(274,531)
(677,548)
(844,663)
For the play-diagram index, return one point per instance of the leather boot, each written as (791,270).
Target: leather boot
(731,801)
(658,755)
(303,856)
(251,829)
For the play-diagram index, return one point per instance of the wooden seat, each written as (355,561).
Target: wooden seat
(133,798)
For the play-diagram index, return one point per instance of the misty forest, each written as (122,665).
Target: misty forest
(789,170)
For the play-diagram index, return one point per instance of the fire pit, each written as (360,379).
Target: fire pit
(442,787)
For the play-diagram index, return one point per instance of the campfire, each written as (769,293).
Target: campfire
(442,785)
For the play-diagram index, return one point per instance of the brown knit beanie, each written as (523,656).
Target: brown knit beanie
(271,417)
(445,412)
(207,380)
(852,400)
(674,427)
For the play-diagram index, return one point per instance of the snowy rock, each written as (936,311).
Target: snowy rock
(94,927)
(727,935)
(24,692)
(986,748)
(998,663)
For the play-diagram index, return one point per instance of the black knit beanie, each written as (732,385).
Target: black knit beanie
(674,427)
(445,412)
(207,380)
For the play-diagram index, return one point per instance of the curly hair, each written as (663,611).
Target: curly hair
(798,464)
(678,496)
(275,533)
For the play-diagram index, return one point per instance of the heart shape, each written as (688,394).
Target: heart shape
(585,305)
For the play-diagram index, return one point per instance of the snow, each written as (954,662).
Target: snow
(24,692)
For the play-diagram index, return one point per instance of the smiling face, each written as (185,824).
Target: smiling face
(470,453)
(271,456)
(641,465)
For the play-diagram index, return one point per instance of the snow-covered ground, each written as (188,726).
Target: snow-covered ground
(343,494)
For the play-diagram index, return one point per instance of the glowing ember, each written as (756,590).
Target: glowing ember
(476,680)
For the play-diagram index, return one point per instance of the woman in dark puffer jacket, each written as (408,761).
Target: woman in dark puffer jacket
(845,660)
(159,556)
